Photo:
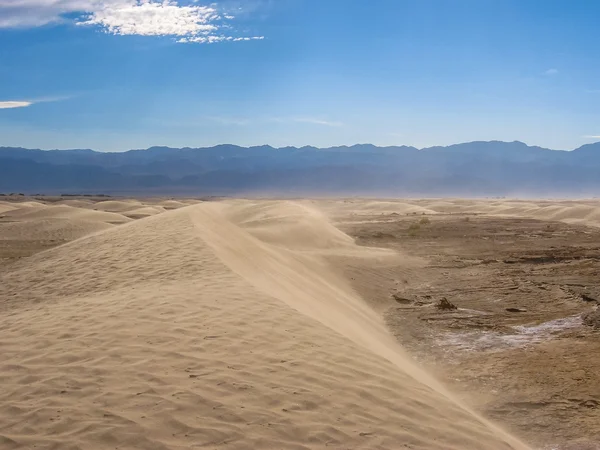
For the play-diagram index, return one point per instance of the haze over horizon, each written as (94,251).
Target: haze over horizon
(349,146)
(113,75)
(483,168)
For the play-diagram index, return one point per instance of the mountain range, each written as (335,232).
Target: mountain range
(471,169)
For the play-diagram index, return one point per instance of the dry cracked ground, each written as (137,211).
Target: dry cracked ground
(515,345)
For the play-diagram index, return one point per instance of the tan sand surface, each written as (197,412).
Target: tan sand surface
(585,212)
(77,203)
(172,204)
(6,206)
(64,212)
(51,229)
(220,325)
(144,211)
(117,206)
(573,211)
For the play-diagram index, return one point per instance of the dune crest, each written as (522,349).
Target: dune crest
(195,328)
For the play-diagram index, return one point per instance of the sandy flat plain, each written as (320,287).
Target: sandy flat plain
(239,324)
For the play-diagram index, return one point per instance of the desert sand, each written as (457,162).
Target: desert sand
(229,324)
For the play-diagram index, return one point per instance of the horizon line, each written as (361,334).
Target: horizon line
(296,147)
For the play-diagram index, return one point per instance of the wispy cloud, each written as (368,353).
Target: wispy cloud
(190,22)
(14,104)
(591,136)
(237,121)
(314,121)
(212,39)
(7,104)
(551,72)
(229,120)
(593,91)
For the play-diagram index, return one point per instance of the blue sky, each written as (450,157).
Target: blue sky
(119,74)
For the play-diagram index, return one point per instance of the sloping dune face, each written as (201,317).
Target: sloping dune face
(197,329)
(59,229)
(58,222)
(5,206)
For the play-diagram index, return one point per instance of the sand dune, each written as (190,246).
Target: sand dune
(117,206)
(29,204)
(209,327)
(584,212)
(5,206)
(288,224)
(77,203)
(360,207)
(65,212)
(51,229)
(172,204)
(20,208)
(144,211)
(570,212)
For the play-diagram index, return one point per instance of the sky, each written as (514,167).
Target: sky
(114,75)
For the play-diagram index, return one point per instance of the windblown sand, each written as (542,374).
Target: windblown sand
(217,325)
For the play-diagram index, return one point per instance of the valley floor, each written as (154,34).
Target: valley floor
(515,346)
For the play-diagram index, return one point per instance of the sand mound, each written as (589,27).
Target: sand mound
(30,204)
(375,207)
(21,211)
(579,212)
(76,203)
(5,206)
(171,204)
(189,329)
(144,211)
(51,229)
(289,224)
(17,209)
(65,212)
(117,206)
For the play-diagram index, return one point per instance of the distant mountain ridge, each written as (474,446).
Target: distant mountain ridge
(472,169)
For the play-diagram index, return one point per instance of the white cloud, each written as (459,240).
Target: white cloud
(187,22)
(154,19)
(14,104)
(8,104)
(591,136)
(34,13)
(212,39)
(314,121)
(551,72)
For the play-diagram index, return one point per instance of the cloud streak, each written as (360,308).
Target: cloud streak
(313,121)
(10,104)
(551,72)
(592,136)
(308,120)
(187,23)
(14,104)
